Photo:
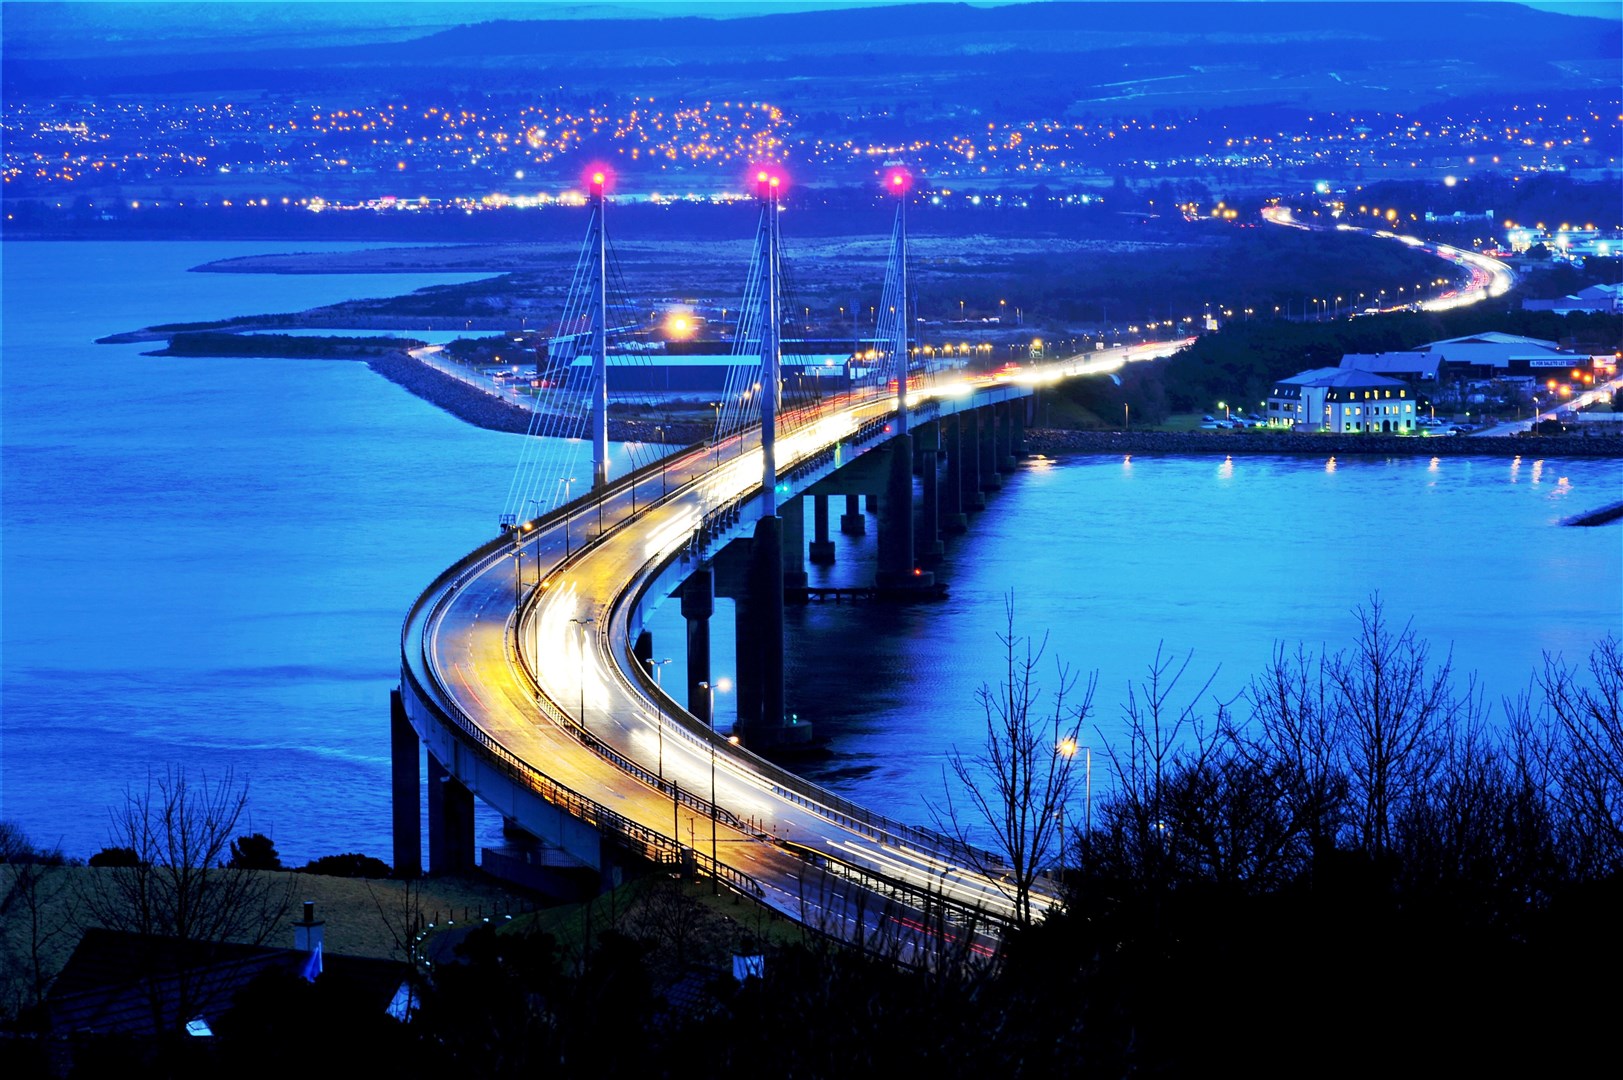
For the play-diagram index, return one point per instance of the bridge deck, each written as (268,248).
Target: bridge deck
(552,707)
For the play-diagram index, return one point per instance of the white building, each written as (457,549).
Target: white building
(1342,400)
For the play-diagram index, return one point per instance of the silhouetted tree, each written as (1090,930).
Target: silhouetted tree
(1016,788)
(1163,739)
(181,885)
(1396,713)
(254,852)
(35,909)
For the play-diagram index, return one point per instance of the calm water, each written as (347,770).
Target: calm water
(207,561)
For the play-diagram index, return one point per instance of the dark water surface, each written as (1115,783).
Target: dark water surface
(207,561)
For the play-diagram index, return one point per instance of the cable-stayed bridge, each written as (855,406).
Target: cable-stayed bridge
(528,672)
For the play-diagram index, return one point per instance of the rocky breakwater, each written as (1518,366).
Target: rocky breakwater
(480,408)
(1054,441)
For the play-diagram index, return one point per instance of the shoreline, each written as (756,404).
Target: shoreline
(1058,441)
(474,406)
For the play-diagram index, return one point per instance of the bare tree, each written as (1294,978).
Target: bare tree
(1585,752)
(182,885)
(1163,741)
(1016,788)
(1397,714)
(400,909)
(1294,729)
(35,910)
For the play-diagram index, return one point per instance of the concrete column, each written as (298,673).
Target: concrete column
(1019,411)
(927,546)
(747,654)
(986,420)
(898,569)
(450,822)
(970,453)
(762,725)
(406,789)
(952,492)
(792,514)
(1005,431)
(822,548)
(698,604)
(852,523)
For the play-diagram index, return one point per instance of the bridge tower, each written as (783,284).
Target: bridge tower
(898,566)
(763,725)
(597,244)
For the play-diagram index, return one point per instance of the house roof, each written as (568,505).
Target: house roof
(1490,337)
(1422,364)
(1339,378)
(117,982)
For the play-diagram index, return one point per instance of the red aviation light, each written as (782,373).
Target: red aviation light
(598,178)
(769,178)
(899,182)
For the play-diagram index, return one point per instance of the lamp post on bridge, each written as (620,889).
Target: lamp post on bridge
(656,668)
(710,690)
(582,623)
(518,567)
(538,512)
(566,482)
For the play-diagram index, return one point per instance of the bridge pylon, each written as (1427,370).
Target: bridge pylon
(597,242)
(899,568)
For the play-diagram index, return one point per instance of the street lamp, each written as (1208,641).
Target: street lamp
(582,623)
(1067,747)
(656,668)
(566,482)
(710,690)
(664,458)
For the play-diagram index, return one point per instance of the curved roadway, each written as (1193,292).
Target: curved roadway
(556,698)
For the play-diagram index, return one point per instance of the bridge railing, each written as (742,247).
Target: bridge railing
(784,783)
(649,842)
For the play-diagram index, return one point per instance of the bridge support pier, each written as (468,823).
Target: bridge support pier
(822,548)
(987,421)
(927,545)
(698,604)
(898,569)
(1006,445)
(643,649)
(852,523)
(750,573)
(450,822)
(953,519)
(406,790)
(792,513)
(969,456)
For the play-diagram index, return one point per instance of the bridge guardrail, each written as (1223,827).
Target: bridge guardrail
(784,783)
(651,843)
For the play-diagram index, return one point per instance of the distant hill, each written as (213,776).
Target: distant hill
(1077,57)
